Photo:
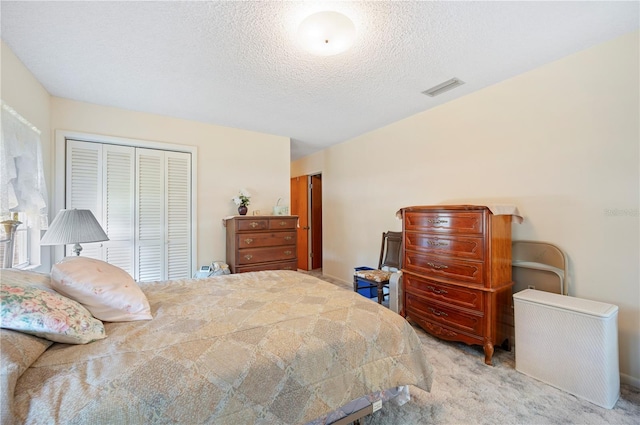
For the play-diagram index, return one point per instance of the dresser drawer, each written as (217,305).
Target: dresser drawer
(259,255)
(451,294)
(257,240)
(449,245)
(282,265)
(471,272)
(449,316)
(445,222)
(283,223)
(255,224)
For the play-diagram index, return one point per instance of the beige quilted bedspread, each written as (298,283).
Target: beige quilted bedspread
(256,348)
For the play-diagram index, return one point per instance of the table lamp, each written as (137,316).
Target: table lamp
(74,227)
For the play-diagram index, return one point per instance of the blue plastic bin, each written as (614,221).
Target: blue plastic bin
(366,292)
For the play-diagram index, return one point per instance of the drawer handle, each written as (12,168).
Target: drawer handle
(435,242)
(248,256)
(283,223)
(248,241)
(254,224)
(287,268)
(287,252)
(436,290)
(437,312)
(288,238)
(436,221)
(438,266)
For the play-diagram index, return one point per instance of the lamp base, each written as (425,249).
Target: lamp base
(77,248)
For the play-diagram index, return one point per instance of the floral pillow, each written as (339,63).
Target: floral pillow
(107,291)
(47,314)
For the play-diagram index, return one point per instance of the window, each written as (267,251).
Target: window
(23,194)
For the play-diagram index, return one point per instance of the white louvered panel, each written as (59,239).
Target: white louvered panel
(150,196)
(149,263)
(119,202)
(119,193)
(177,267)
(84,176)
(121,254)
(150,221)
(84,187)
(178,214)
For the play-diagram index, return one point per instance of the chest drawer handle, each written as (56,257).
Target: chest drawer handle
(283,223)
(436,290)
(248,256)
(254,224)
(436,221)
(435,242)
(287,268)
(288,238)
(437,312)
(248,241)
(287,252)
(437,266)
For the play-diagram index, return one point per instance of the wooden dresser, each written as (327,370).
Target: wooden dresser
(261,243)
(457,273)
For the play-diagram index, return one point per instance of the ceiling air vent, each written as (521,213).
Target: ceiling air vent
(443,87)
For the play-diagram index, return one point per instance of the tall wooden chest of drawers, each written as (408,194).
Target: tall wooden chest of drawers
(457,273)
(261,243)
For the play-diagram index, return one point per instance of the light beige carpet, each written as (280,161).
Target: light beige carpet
(466,391)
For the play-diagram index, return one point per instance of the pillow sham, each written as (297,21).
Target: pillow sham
(107,291)
(47,314)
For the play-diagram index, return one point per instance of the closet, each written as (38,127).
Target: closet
(142,199)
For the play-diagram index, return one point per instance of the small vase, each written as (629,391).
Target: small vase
(242,210)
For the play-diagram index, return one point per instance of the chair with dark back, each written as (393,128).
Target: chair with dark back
(389,263)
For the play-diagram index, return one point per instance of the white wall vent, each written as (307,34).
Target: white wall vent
(443,87)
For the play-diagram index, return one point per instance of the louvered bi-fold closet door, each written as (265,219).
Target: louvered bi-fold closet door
(178,214)
(150,215)
(163,215)
(119,203)
(84,174)
(101,178)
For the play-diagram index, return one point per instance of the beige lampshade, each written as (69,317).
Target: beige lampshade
(74,227)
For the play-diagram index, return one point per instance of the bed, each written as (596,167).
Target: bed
(271,347)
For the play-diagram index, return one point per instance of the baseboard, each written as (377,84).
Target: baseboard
(629,380)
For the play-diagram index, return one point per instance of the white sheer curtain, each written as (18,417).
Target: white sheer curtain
(22,182)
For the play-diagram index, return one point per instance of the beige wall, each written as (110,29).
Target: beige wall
(228,160)
(23,92)
(560,142)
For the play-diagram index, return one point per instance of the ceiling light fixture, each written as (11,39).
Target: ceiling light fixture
(326,33)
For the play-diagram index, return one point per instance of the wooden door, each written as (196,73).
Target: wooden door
(300,207)
(316,221)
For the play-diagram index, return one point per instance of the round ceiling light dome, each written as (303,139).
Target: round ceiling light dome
(326,33)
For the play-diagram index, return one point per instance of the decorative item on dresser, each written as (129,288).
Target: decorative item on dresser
(457,273)
(261,243)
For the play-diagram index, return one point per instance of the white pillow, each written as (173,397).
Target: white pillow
(107,291)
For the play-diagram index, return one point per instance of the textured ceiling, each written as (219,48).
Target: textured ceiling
(238,64)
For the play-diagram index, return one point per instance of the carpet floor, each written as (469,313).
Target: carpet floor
(466,391)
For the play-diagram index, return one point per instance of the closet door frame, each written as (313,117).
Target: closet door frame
(59,169)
